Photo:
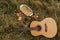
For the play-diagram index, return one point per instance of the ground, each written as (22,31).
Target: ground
(8,17)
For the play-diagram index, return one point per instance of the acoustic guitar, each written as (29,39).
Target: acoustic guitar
(47,27)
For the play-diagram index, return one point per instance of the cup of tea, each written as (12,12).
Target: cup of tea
(26,10)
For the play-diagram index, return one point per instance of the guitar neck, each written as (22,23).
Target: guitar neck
(19,29)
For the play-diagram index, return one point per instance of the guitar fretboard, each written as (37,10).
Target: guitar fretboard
(21,29)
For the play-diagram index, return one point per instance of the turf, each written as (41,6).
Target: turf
(8,17)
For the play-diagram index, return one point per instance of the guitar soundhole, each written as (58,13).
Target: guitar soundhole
(38,27)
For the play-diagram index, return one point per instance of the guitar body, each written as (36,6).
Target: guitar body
(48,28)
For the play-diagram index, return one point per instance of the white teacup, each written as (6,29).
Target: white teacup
(26,10)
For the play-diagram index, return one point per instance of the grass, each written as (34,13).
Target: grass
(8,9)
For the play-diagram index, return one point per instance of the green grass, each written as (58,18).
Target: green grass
(8,8)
